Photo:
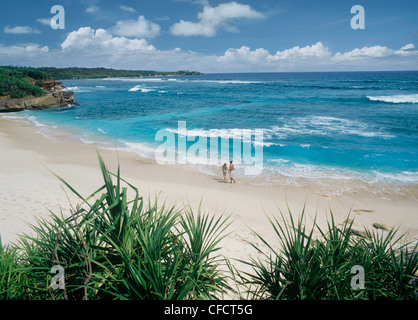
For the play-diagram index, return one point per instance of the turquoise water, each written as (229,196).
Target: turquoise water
(361,125)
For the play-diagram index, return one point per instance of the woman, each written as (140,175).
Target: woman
(224,171)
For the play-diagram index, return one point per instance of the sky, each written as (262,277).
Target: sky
(212,36)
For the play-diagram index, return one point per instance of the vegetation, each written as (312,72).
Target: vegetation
(114,248)
(92,73)
(321,269)
(21,82)
(118,249)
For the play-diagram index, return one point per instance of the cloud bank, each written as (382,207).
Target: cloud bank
(317,57)
(115,48)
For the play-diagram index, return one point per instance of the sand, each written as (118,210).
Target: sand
(28,189)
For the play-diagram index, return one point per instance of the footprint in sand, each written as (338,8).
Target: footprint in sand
(381,226)
(347,222)
(361,211)
(327,195)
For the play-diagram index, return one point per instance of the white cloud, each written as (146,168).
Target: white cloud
(93,9)
(317,51)
(44,21)
(262,57)
(35,48)
(375,52)
(244,54)
(408,46)
(365,52)
(408,49)
(21,30)
(136,28)
(318,57)
(98,40)
(128,9)
(88,47)
(23,54)
(213,18)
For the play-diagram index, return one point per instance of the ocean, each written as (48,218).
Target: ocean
(339,127)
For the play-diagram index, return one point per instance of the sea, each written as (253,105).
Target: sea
(339,128)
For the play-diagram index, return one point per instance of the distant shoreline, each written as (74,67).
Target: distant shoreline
(97,73)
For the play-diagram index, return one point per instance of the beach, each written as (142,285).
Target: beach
(209,150)
(28,189)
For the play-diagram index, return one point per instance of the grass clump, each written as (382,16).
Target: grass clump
(323,268)
(112,248)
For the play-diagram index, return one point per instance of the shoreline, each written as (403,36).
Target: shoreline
(327,182)
(28,189)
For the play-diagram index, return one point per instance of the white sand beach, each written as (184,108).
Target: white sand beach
(28,189)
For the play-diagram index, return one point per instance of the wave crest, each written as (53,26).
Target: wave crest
(401,98)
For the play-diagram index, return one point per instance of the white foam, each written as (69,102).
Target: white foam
(70,88)
(233,133)
(279,160)
(87,141)
(411,98)
(12,118)
(136,88)
(295,173)
(135,79)
(75,89)
(146,90)
(182,80)
(321,125)
(141,149)
(34,120)
(404,177)
(140,88)
(23,117)
(236,82)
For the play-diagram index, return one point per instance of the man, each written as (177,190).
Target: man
(231,172)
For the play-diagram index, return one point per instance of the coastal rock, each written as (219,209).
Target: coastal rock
(54,98)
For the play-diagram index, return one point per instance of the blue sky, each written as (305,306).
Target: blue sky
(212,35)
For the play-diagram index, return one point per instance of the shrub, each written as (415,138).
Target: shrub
(309,269)
(19,83)
(112,248)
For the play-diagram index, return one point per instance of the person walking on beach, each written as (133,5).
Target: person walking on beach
(224,171)
(231,172)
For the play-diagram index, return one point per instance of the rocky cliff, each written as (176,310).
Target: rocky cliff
(55,97)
